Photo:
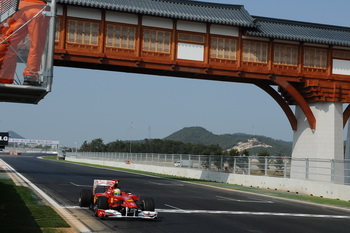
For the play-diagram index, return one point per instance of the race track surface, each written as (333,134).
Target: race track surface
(182,207)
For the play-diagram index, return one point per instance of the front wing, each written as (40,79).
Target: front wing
(116,214)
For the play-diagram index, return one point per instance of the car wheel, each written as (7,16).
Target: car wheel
(102,203)
(148,204)
(85,198)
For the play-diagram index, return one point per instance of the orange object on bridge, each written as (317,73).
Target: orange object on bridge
(27,21)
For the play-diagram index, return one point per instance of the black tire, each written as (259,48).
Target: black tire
(148,204)
(102,203)
(85,198)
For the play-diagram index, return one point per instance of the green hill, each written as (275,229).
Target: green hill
(227,141)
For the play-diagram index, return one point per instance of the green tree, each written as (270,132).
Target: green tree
(97,145)
(245,152)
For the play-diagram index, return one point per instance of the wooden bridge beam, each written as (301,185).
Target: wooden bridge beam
(298,98)
(282,103)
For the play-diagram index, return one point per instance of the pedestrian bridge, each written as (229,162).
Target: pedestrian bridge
(297,63)
(308,62)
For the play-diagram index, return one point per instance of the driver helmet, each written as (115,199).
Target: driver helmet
(117,192)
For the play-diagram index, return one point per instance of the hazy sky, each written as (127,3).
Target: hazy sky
(89,104)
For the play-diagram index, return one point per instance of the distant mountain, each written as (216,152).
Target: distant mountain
(15,135)
(253,143)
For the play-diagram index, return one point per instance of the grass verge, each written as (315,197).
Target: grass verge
(295,196)
(21,210)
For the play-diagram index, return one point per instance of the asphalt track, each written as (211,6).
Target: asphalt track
(182,207)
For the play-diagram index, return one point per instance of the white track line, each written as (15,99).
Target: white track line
(175,210)
(182,211)
(245,201)
(67,215)
(173,207)
(80,185)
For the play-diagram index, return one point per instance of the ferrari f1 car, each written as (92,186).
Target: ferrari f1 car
(108,201)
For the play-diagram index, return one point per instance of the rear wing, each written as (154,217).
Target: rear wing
(7,9)
(100,186)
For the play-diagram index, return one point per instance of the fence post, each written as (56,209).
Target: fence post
(332,170)
(234,164)
(199,162)
(209,163)
(307,168)
(248,165)
(265,166)
(285,168)
(222,163)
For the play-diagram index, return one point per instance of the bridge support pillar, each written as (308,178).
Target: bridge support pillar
(347,158)
(319,154)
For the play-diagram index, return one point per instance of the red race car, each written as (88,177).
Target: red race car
(109,201)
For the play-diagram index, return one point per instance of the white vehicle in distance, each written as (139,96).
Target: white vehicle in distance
(183,163)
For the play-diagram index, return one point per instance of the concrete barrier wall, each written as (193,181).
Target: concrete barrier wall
(306,187)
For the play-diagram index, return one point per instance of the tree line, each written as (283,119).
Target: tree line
(158,146)
(164,146)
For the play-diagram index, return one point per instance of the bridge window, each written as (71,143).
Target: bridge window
(255,51)
(120,36)
(191,38)
(83,32)
(223,48)
(315,58)
(191,48)
(341,54)
(156,41)
(341,62)
(286,54)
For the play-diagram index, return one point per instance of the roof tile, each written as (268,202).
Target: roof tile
(234,15)
(300,31)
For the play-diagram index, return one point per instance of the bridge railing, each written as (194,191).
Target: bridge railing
(285,167)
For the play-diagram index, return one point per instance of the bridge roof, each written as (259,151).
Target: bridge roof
(180,9)
(300,31)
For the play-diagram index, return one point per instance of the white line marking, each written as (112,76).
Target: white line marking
(75,207)
(176,210)
(150,182)
(245,201)
(67,216)
(173,207)
(80,185)
(181,211)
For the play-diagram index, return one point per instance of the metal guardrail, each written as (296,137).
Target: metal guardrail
(285,167)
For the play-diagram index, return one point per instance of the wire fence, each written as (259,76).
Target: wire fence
(285,167)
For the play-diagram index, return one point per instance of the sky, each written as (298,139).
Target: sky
(88,104)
